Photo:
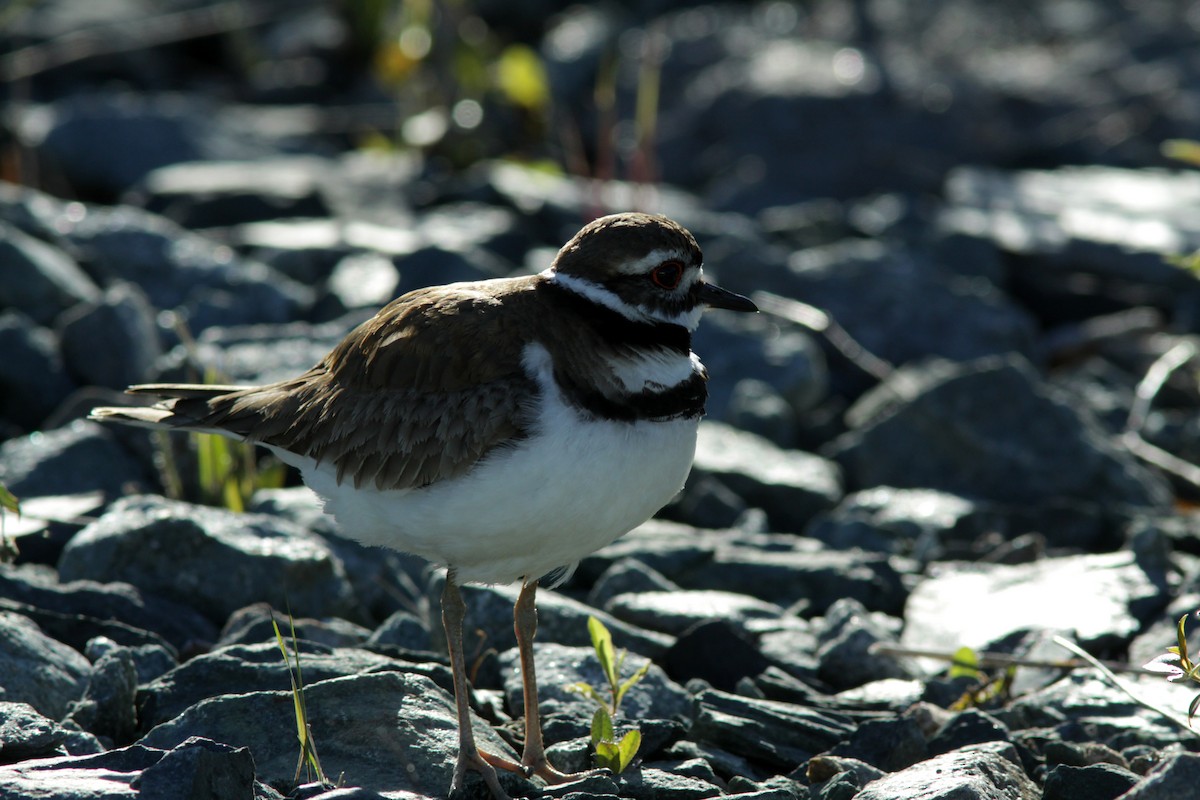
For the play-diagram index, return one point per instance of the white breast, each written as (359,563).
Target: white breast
(571,488)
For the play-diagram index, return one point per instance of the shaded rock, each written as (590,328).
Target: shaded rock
(253,624)
(1104,598)
(625,576)
(40,280)
(156,130)
(676,611)
(259,667)
(901,305)
(971,726)
(1173,778)
(25,734)
(402,630)
(113,341)
(211,194)
(389,732)
(1114,227)
(651,783)
(561,620)
(33,379)
(38,670)
(213,560)
(77,458)
(77,611)
(107,707)
(654,697)
(816,576)
(715,652)
(1085,701)
(48,522)
(955,435)
(980,772)
(179,270)
(1100,781)
(791,486)
(196,767)
(779,736)
(889,744)
(845,640)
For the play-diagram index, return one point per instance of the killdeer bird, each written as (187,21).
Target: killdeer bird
(503,428)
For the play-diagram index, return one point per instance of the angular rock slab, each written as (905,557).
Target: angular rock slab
(210,559)
(989,771)
(386,732)
(38,670)
(990,429)
(1102,597)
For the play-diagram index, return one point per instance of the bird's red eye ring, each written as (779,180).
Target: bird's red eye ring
(667,275)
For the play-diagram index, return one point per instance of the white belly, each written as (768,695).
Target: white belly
(564,493)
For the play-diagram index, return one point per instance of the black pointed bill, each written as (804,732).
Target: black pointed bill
(715,297)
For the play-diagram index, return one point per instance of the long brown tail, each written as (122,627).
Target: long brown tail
(165,414)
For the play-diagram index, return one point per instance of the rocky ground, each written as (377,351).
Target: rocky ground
(966,418)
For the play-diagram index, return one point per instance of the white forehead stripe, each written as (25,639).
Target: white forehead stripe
(652,259)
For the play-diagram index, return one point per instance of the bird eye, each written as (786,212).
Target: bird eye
(667,275)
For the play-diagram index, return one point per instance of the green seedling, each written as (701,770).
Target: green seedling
(308,745)
(1178,665)
(611,753)
(8,502)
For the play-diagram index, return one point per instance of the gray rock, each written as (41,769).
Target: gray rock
(978,772)
(365,280)
(386,732)
(1084,698)
(780,736)
(903,306)
(717,653)
(195,768)
(923,523)
(1173,778)
(38,670)
(654,697)
(561,620)
(1096,782)
(211,194)
(77,458)
(253,624)
(179,270)
(845,639)
(1104,598)
(260,667)
(988,429)
(77,611)
(39,279)
(107,707)
(33,380)
(651,783)
(836,777)
(673,612)
(402,630)
(24,734)
(790,485)
(158,130)
(971,726)
(625,576)
(889,744)
(113,341)
(211,559)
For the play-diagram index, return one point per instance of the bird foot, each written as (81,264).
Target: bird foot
(485,764)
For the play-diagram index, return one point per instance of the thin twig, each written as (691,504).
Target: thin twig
(1152,382)
(823,323)
(1115,681)
(986,659)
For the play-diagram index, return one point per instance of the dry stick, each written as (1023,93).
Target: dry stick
(986,659)
(1149,387)
(116,38)
(1115,681)
(821,322)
